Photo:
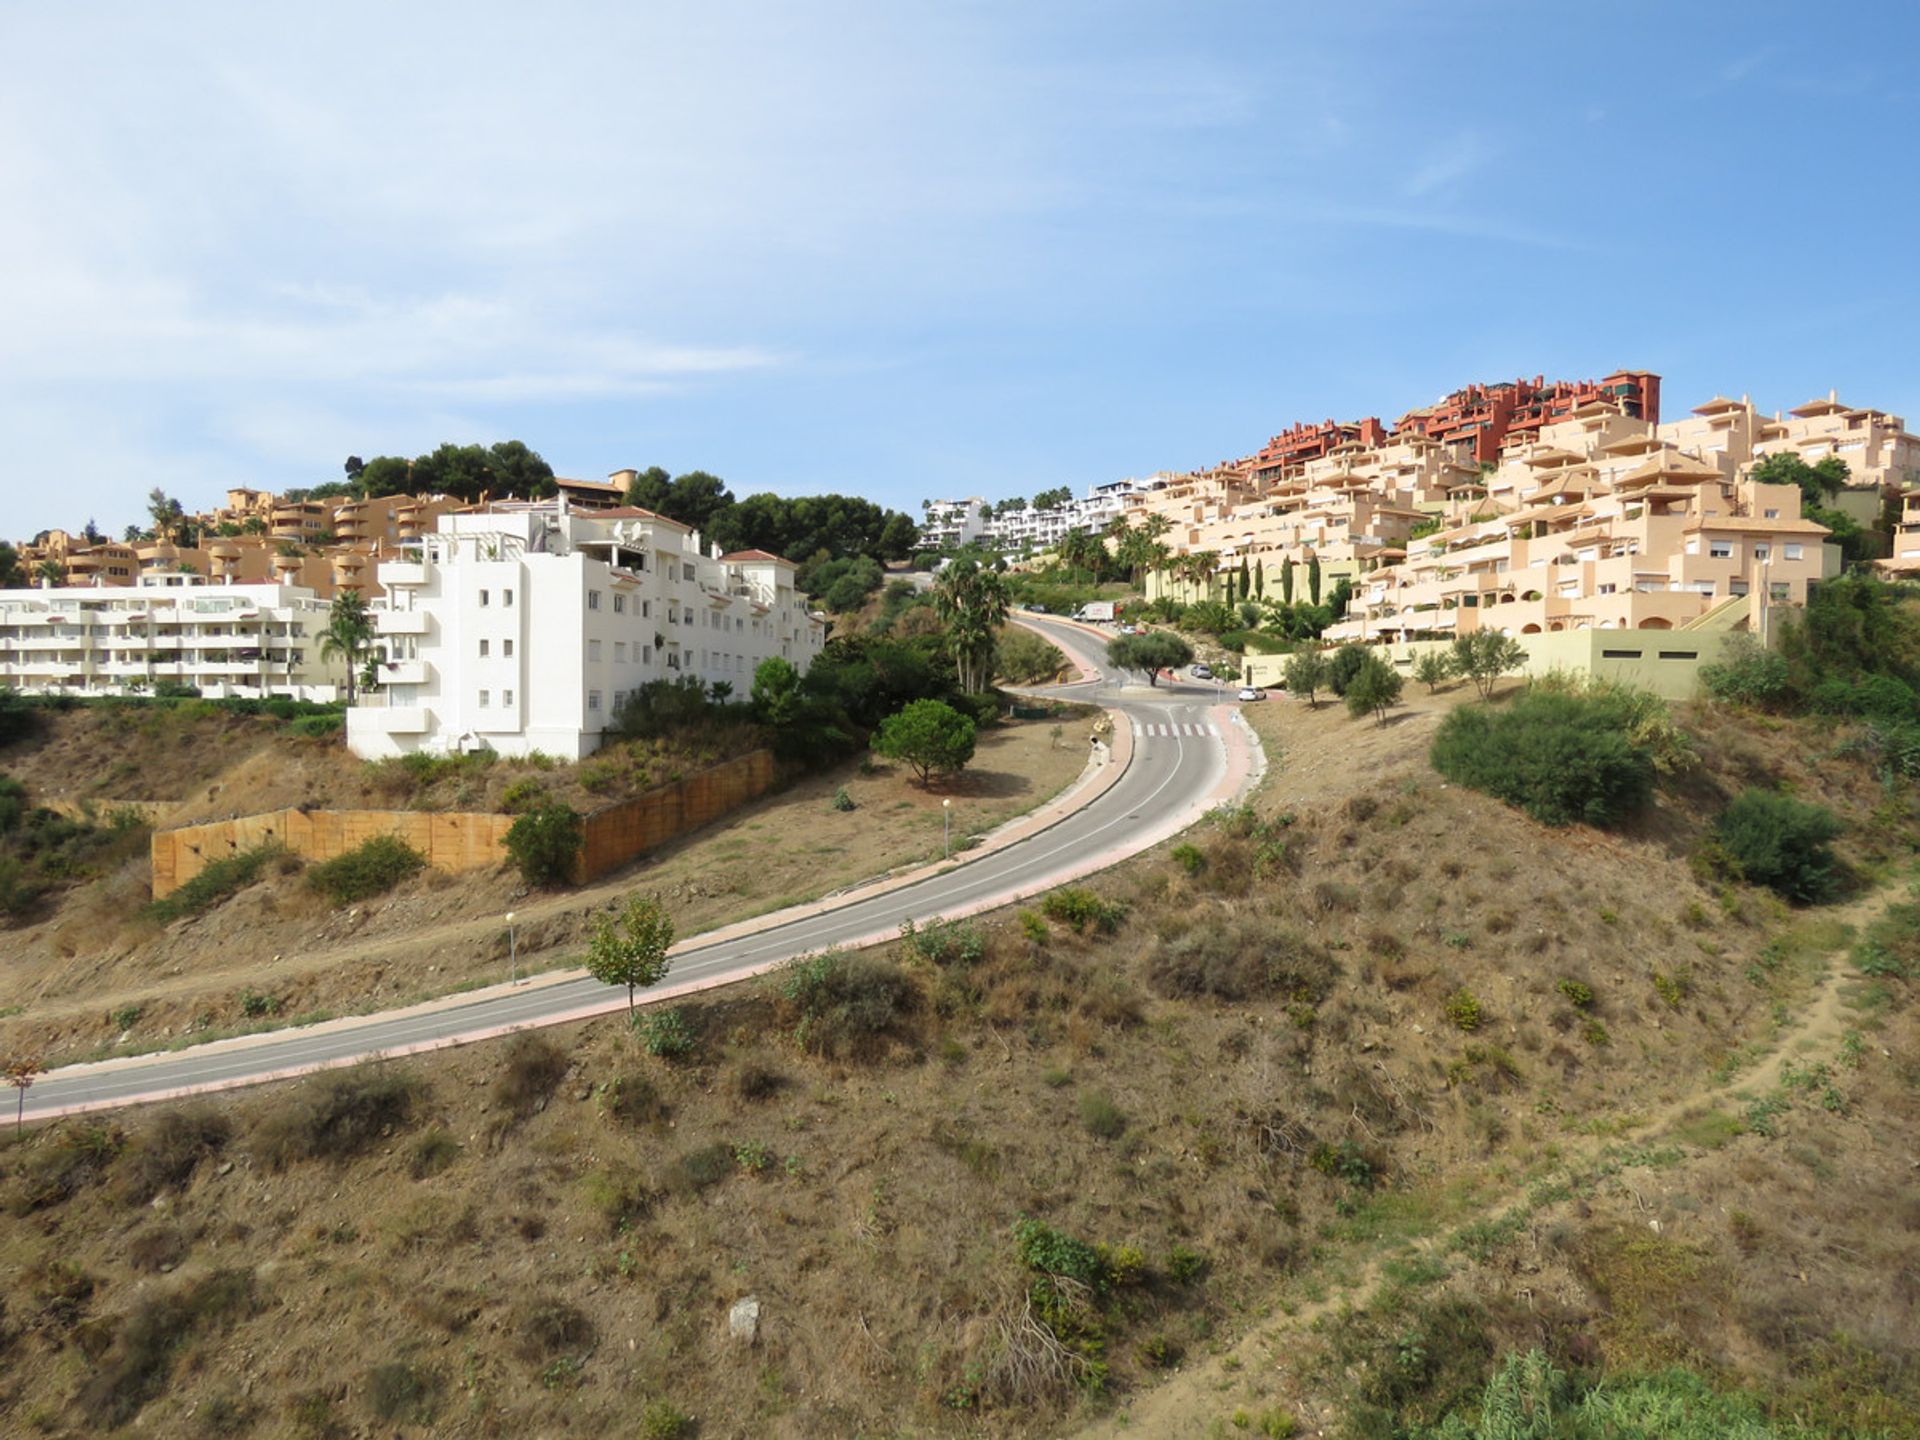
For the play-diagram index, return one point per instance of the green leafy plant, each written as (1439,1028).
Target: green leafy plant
(1782,843)
(546,844)
(371,868)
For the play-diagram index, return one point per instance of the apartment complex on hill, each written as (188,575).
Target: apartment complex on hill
(249,640)
(523,626)
(1592,513)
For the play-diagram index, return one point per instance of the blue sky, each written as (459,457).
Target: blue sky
(904,249)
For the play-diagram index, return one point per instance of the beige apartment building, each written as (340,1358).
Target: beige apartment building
(1600,521)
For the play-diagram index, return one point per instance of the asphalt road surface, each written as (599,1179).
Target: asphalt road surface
(1179,759)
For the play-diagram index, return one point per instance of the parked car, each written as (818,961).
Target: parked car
(1036,609)
(1247,692)
(1201,672)
(1129,629)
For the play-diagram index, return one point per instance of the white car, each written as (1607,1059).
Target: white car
(1201,672)
(1249,693)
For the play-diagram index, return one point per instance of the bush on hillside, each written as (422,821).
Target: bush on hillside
(1373,688)
(1241,960)
(844,1006)
(18,718)
(1024,658)
(336,1116)
(1561,758)
(1782,843)
(546,844)
(371,868)
(1342,665)
(165,1157)
(218,881)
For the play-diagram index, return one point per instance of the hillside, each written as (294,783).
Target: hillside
(90,970)
(1319,1198)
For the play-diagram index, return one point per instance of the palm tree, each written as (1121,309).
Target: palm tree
(972,603)
(348,636)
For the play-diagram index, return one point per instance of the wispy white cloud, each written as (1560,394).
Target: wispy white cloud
(1443,170)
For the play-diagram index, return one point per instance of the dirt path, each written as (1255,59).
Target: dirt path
(1191,1401)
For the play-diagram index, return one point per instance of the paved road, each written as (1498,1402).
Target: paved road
(1179,761)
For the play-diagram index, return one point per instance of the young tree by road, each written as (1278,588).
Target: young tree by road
(1306,672)
(632,949)
(21,1075)
(1152,652)
(1483,656)
(931,736)
(1374,687)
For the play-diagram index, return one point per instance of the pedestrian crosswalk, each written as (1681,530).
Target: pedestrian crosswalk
(1173,728)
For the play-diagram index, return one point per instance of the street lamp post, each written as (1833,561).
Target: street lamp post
(513,951)
(946,829)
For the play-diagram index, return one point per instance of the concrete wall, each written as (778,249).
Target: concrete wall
(1666,662)
(457,841)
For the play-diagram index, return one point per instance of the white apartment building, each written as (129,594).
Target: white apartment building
(239,640)
(524,626)
(952,522)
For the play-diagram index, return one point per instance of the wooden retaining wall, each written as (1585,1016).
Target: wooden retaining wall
(465,840)
(616,833)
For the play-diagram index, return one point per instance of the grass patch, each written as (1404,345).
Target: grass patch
(221,879)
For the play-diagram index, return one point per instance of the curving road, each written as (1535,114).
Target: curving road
(1180,767)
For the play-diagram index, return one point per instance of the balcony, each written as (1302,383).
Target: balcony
(403,573)
(404,622)
(404,672)
(389,719)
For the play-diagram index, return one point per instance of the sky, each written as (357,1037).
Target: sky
(906,249)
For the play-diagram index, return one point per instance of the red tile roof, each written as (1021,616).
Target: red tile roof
(755,555)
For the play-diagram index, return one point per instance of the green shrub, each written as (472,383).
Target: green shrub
(136,1365)
(371,868)
(944,943)
(1562,758)
(633,1099)
(337,1115)
(317,727)
(1081,910)
(529,792)
(546,843)
(13,804)
(533,1069)
(666,1033)
(1463,1010)
(404,1392)
(1104,1119)
(662,1421)
(1578,995)
(842,801)
(1373,688)
(165,1157)
(1782,843)
(1239,961)
(1342,665)
(1053,1252)
(432,1153)
(1185,1265)
(1024,658)
(1190,858)
(219,880)
(841,1005)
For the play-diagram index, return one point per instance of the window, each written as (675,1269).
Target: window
(646,654)
(1760,552)
(593,699)
(1720,549)
(593,599)
(593,651)
(619,653)
(686,572)
(1772,513)
(485,596)
(1679,654)
(486,698)
(483,649)
(646,609)
(619,604)
(1620,654)
(506,697)
(1778,590)
(506,597)
(506,648)
(1794,552)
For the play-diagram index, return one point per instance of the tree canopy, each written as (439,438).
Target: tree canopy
(800,527)
(930,736)
(1153,651)
(632,949)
